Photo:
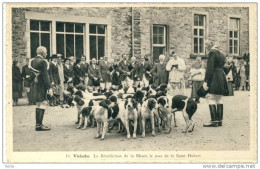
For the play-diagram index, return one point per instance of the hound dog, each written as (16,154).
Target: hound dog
(131,114)
(148,111)
(188,107)
(105,113)
(164,111)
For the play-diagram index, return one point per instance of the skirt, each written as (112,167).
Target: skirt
(195,87)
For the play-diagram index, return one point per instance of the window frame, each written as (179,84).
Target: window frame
(40,32)
(53,18)
(164,35)
(204,27)
(71,33)
(232,38)
(97,35)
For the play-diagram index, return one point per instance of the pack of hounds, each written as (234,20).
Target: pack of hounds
(135,110)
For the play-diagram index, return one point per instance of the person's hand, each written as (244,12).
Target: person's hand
(100,79)
(52,83)
(95,78)
(117,73)
(135,75)
(50,92)
(205,86)
(128,73)
(27,76)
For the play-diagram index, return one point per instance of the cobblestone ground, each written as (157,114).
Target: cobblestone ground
(63,136)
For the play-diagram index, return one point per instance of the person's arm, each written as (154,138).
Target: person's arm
(169,65)
(210,68)
(100,71)
(50,73)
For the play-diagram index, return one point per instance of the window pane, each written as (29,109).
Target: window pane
(101,29)
(69,45)
(79,45)
(195,31)
(34,25)
(161,30)
(196,20)
(92,47)
(69,27)
(34,43)
(231,34)
(230,43)
(201,32)
(45,41)
(92,29)
(45,26)
(59,27)
(60,44)
(201,20)
(195,45)
(155,30)
(235,43)
(160,39)
(230,50)
(201,46)
(235,50)
(235,34)
(78,28)
(101,46)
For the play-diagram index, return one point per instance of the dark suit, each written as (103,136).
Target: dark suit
(160,74)
(104,72)
(54,74)
(26,71)
(142,70)
(78,73)
(123,69)
(93,72)
(41,82)
(17,81)
(215,77)
(68,72)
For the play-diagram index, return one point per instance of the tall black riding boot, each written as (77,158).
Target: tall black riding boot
(41,127)
(213,113)
(219,114)
(38,119)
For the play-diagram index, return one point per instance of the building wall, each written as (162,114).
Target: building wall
(180,21)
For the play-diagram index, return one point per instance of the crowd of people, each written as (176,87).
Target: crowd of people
(102,75)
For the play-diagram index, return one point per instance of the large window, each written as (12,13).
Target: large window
(97,39)
(159,41)
(199,31)
(69,39)
(234,36)
(39,36)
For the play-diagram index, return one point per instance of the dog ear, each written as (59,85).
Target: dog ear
(134,104)
(103,104)
(81,102)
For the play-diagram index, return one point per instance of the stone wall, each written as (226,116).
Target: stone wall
(179,21)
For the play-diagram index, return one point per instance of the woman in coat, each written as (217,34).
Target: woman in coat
(26,73)
(17,81)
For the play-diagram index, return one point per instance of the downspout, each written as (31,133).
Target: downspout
(132,32)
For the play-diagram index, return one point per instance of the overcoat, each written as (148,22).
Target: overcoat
(115,78)
(54,74)
(17,80)
(143,68)
(160,73)
(215,77)
(123,69)
(27,72)
(104,71)
(68,73)
(40,80)
(93,72)
(78,73)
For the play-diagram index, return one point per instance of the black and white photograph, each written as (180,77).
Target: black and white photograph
(126,82)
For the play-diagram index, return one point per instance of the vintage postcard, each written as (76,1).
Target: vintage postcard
(130,83)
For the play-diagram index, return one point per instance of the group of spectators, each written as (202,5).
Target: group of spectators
(102,75)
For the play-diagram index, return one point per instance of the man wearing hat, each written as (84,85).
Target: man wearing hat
(93,82)
(40,85)
(26,73)
(54,76)
(123,68)
(104,74)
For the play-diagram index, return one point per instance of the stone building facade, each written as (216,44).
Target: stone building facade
(136,31)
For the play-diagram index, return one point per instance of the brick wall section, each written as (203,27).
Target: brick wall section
(178,19)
